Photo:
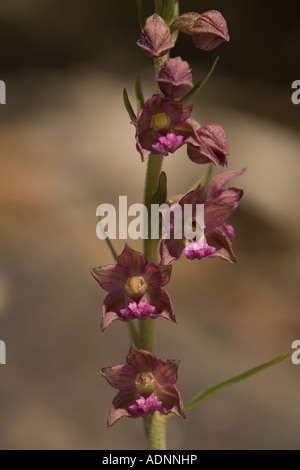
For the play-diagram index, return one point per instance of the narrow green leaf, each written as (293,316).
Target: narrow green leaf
(158,6)
(174,34)
(203,180)
(111,247)
(167,11)
(141,13)
(193,92)
(128,105)
(109,243)
(216,388)
(139,93)
(160,195)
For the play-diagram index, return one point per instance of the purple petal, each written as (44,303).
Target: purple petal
(168,144)
(140,310)
(171,400)
(120,405)
(197,196)
(143,152)
(110,277)
(112,305)
(121,376)
(144,406)
(217,213)
(187,129)
(177,111)
(155,39)
(222,241)
(156,275)
(165,371)
(144,144)
(152,106)
(140,359)
(219,181)
(230,230)
(132,261)
(170,250)
(175,78)
(162,301)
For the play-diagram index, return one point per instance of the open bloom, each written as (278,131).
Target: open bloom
(208,30)
(218,235)
(162,126)
(155,40)
(134,289)
(145,384)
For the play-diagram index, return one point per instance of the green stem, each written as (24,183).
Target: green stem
(157,432)
(147,334)
(158,63)
(134,334)
(152,178)
(150,246)
(154,425)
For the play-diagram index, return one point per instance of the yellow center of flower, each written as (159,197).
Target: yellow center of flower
(145,383)
(160,121)
(136,287)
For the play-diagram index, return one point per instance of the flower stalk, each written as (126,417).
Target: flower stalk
(156,424)
(135,283)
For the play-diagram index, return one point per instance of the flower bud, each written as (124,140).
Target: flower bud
(175,78)
(208,30)
(155,40)
(211,147)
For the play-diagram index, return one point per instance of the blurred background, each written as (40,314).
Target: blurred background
(66,146)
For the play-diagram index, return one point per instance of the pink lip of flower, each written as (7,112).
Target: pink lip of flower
(155,40)
(198,249)
(163,125)
(135,289)
(145,384)
(218,235)
(138,310)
